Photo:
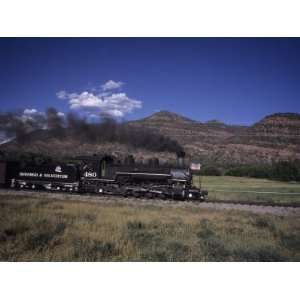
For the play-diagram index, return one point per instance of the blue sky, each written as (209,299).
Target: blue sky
(238,81)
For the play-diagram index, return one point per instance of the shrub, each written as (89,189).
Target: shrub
(177,251)
(282,170)
(133,225)
(211,171)
(249,171)
(290,240)
(286,171)
(138,234)
(93,250)
(3,237)
(214,248)
(89,217)
(262,254)
(44,234)
(261,222)
(159,255)
(13,231)
(205,230)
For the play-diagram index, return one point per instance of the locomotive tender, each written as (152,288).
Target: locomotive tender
(103,175)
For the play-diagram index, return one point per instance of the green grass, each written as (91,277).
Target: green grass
(32,229)
(243,189)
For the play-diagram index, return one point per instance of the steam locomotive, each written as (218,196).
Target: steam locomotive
(103,175)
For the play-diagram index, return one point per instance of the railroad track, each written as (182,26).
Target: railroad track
(280,209)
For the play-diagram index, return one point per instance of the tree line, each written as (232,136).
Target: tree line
(281,170)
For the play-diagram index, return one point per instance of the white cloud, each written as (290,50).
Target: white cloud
(31,114)
(62,94)
(111,85)
(30,111)
(33,119)
(104,103)
(60,114)
(116,105)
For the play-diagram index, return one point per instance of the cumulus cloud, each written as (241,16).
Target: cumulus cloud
(30,111)
(105,103)
(37,117)
(62,94)
(111,85)
(31,114)
(116,105)
(60,114)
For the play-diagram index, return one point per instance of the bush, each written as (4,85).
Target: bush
(214,248)
(286,171)
(93,250)
(282,170)
(177,251)
(133,225)
(249,171)
(261,222)
(211,171)
(205,230)
(290,240)
(138,234)
(44,234)
(262,254)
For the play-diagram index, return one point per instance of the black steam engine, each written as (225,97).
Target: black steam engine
(103,175)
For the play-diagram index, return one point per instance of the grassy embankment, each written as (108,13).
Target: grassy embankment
(245,189)
(32,229)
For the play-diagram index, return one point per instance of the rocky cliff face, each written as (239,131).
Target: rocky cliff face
(276,137)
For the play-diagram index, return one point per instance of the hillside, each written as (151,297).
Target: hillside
(275,137)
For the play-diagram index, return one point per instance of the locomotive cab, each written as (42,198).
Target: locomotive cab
(96,167)
(106,167)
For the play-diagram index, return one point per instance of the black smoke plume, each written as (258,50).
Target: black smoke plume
(19,125)
(109,130)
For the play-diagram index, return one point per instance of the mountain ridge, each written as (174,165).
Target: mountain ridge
(274,137)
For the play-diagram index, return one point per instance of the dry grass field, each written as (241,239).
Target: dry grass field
(241,189)
(36,229)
